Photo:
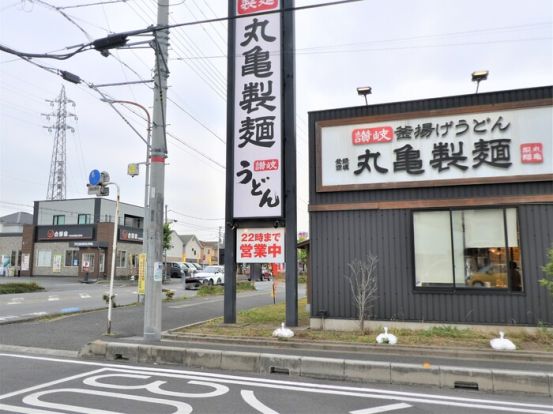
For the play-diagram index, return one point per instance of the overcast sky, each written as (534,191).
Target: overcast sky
(404,49)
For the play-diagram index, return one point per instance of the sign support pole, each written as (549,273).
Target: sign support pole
(230,232)
(289,133)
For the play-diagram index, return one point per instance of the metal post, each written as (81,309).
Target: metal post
(158,154)
(230,231)
(147,178)
(113,252)
(289,121)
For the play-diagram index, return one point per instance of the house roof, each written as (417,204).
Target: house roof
(212,244)
(17,218)
(187,237)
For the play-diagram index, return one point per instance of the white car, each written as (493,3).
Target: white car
(211,275)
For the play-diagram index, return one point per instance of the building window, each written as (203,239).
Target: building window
(121,258)
(44,258)
(71,258)
(88,262)
(467,249)
(133,221)
(59,220)
(84,219)
(133,259)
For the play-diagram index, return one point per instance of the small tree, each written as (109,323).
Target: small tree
(547,281)
(167,236)
(362,281)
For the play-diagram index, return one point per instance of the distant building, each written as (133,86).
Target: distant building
(210,252)
(11,237)
(191,248)
(75,238)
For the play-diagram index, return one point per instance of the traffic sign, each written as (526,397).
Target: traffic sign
(94,177)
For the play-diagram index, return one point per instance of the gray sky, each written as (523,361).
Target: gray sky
(404,49)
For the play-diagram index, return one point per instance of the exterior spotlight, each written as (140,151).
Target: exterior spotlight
(364,90)
(479,76)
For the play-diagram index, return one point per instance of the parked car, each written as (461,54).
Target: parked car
(198,266)
(174,269)
(492,275)
(211,275)
(188,268)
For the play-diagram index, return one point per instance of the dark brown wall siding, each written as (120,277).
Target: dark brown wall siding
(387,234)
(338,237)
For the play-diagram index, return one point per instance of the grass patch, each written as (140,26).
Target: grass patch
(8,288)
(260,323)
(206,290)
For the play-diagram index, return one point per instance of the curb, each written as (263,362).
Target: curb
(428,351)
(39,351)
(489,380)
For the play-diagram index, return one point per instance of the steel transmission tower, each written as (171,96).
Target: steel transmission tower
(56,180)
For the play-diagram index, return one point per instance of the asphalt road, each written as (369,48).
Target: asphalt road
(72,331)
(32,384)
(67,296)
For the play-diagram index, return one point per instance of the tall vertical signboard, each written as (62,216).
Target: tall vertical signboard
(257,140)
(260,116)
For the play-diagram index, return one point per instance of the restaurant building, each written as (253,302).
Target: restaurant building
(454,197)
(75,238)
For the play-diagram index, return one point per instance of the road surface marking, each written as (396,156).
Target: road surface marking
(434,399)
(53,298)
(7,317)
(84,295)
(70,310)
(251,400)
(15,301)
(36,314)
(34,400)
(381,409)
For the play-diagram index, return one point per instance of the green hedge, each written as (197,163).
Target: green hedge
(8,288)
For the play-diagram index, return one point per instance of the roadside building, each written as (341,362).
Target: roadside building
(11,237)
(176,252)
(453,195)
(209,255)
(75,238)
(191,248)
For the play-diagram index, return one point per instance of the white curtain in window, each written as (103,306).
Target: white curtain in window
(512,227)
(433,264)
(484,228)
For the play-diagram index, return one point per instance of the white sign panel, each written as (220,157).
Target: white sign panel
(257,142)
(470,146)
(260,245)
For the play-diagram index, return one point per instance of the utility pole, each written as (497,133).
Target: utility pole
(158,154)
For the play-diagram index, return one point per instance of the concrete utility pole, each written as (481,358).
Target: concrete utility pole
(158,154)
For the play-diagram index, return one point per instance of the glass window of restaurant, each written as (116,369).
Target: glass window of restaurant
(467,249)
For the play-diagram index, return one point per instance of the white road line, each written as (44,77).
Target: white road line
(35,314)
(84,295)
(15,301)
(7,317)
(251,400)
(381,409)
(435,399)
(52,298)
